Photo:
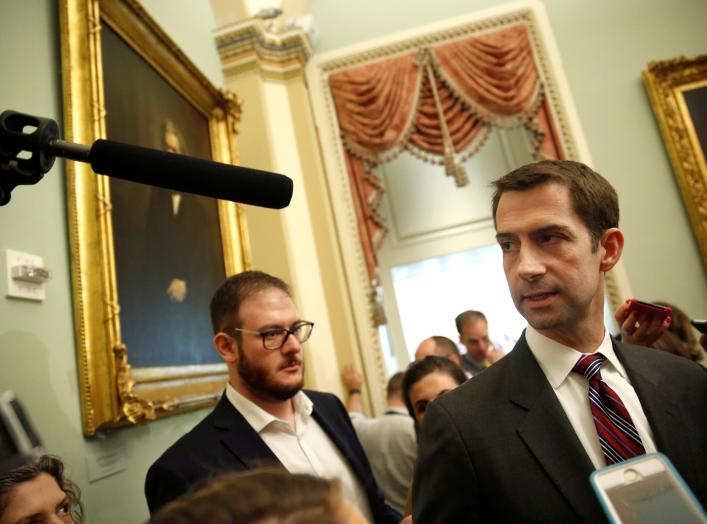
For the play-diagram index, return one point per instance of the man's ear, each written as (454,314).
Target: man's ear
(226,346)
(611,246)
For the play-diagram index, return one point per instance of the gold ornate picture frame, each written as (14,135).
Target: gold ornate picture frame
(114,392)
(678,94)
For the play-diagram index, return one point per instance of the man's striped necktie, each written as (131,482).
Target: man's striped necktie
(617,434)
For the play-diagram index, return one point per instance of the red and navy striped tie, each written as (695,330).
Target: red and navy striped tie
(617,435)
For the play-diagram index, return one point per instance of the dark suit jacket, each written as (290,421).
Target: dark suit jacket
(500,448)
(224,442)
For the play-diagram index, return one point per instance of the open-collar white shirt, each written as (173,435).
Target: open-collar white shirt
(572,389)
(307,449)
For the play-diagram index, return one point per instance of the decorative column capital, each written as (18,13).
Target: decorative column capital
(249,45)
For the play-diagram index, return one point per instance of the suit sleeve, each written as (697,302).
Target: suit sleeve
(162,485)
(445,487)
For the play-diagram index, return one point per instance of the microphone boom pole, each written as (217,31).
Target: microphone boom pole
(21,134)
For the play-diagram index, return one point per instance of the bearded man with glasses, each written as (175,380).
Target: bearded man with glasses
(265,418)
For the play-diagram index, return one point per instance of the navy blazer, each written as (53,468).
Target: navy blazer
(500,448)
(225,442)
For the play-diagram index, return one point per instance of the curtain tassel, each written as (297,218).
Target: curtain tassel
(452,166)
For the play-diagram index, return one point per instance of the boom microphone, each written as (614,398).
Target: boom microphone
(191,175)
(21,134)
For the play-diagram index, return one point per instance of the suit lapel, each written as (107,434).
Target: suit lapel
(549,435)
(661,412)
(240,438)
(326,422)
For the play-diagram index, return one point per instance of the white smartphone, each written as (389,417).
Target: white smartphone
(646,490)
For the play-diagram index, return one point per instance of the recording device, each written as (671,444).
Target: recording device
(646,490)
(19,442)
(657,312)
(700,325)
(22,134)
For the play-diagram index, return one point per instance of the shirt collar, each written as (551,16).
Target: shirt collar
(257,417)
(557,360)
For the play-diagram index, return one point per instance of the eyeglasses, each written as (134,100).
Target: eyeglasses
(275,338)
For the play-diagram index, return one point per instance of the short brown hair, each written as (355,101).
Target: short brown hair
(228,298)
(395,385)
(50,465)
(593,198)
(468,316)
(259,496)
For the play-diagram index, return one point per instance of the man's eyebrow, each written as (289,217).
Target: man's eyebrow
(268,327)
(554,228)
(503,235)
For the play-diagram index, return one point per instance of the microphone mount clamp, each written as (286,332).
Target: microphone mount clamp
(28,147)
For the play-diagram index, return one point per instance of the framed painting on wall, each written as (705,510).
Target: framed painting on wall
(145,260)
(678,94)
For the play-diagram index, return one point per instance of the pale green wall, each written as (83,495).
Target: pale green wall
(604,46)
(36,339)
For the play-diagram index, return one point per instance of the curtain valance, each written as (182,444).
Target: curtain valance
(440,103)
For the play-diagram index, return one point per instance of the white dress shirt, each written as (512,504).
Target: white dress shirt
(308,449)
(572,389)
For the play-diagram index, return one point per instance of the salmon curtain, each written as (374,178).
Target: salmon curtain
(439,103)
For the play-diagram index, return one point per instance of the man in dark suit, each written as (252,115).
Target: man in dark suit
(265,418)
(518,442)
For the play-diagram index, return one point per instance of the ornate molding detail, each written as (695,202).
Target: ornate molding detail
(132,407)
(666,82)
(249,45)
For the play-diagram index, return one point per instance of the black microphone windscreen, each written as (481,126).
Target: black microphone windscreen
(190,174)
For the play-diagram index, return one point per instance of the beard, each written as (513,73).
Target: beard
(264,383)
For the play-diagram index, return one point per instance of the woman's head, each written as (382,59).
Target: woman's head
(427,379)
(680,338)
(263,496)
(39,491)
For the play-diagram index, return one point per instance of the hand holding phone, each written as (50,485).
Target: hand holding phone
(648,310)
(642,323)
(646,490)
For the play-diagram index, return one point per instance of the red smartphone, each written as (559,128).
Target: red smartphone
(659,313)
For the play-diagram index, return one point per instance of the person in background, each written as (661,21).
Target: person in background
(389,441)
(423,382)
(439,346)
(473,329)
(265,417)
(427,379)
(39,492)
(675,335)
(263,496)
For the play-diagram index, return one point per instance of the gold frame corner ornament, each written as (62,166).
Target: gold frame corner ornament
(666,82)
(113,394)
